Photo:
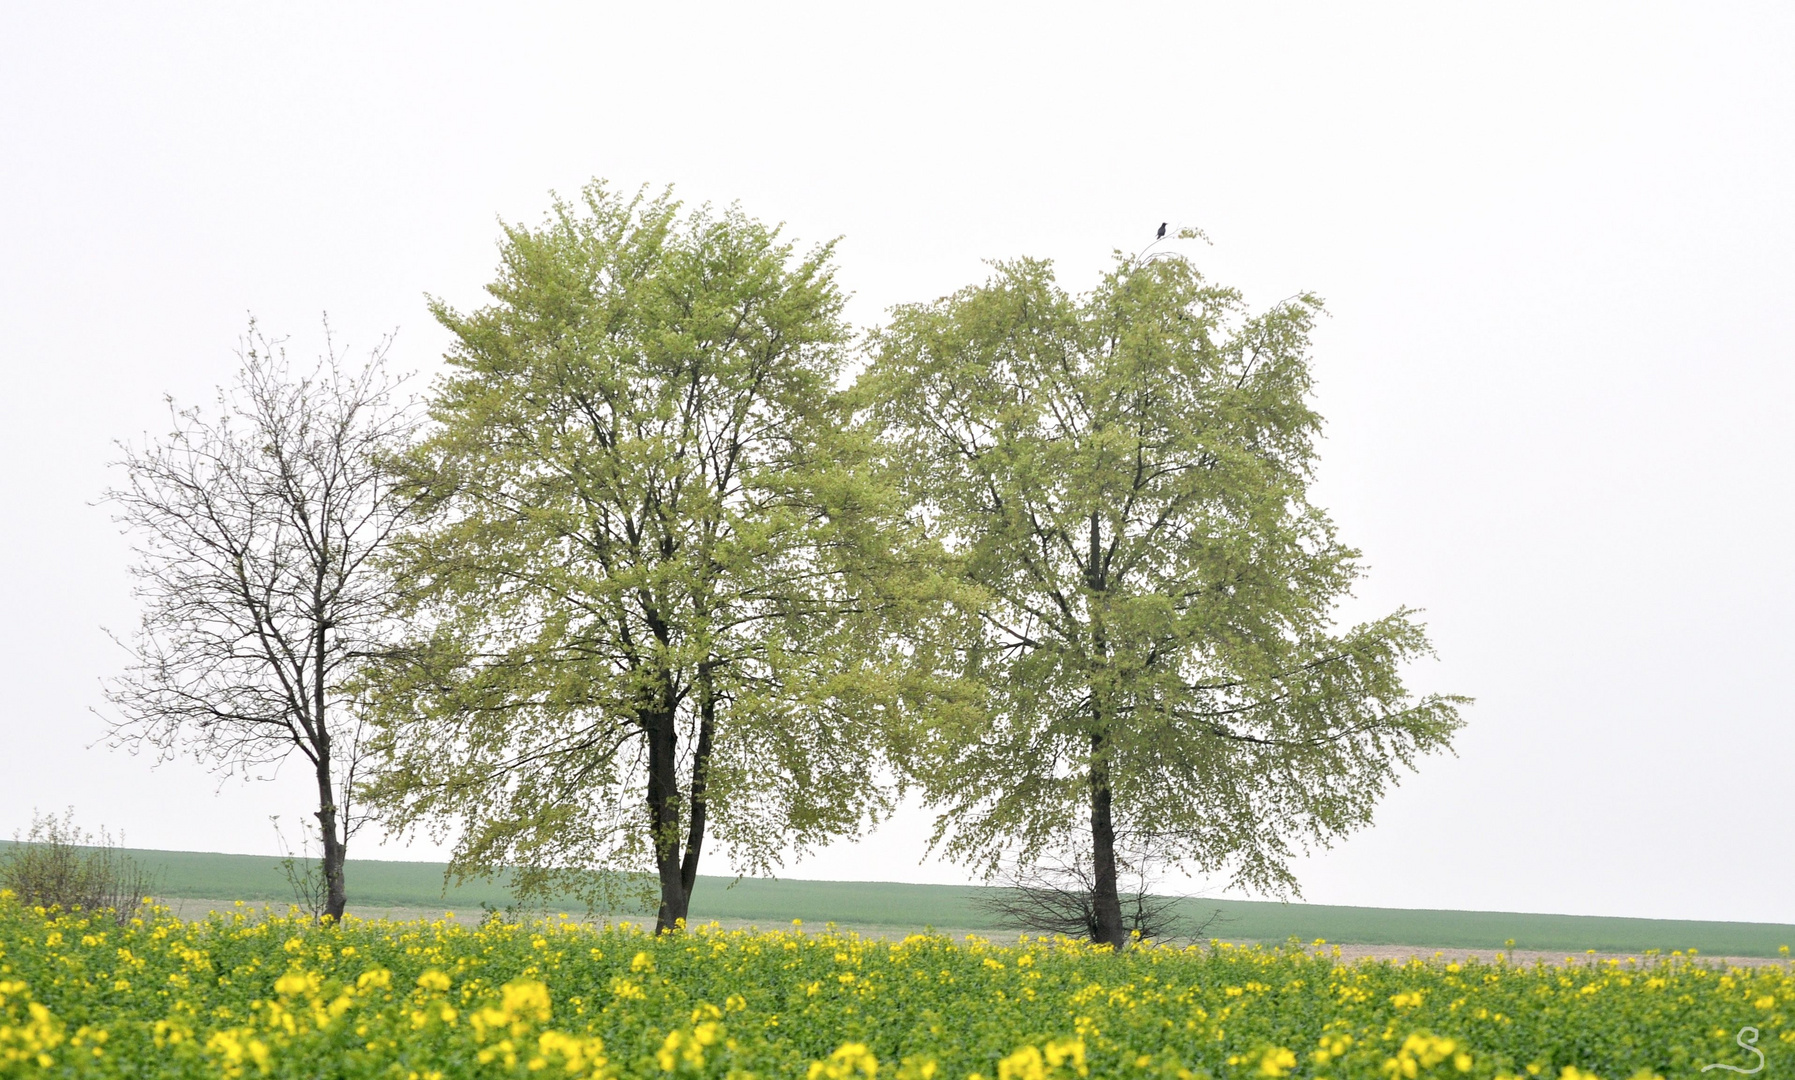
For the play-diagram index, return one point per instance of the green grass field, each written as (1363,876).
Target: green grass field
(381,884)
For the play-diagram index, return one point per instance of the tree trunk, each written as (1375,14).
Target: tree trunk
(1106,901)
(336,895)
(701,758)
(663,812)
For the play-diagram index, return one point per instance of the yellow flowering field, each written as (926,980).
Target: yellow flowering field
(242,995)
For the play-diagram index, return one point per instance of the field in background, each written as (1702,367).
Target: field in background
(866,905)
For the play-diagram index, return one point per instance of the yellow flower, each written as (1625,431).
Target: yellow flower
(379,978)
(1032,1063)
(847,1059)
(525,999)
(1422,1051)
(235,1047)
(578,1054)
(296,983)
(680,1047)
(433,980)
(1064,1051)
(1024,1064)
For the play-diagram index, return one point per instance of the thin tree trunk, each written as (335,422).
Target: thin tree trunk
(1106,902)
(336,895)
(663,811)
(701,758)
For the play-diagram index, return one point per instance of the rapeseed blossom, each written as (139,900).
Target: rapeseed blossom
(245,995)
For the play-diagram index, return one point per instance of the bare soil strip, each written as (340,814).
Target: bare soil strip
(1523,957)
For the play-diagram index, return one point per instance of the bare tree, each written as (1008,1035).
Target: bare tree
(257,532)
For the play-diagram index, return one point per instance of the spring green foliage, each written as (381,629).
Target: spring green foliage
(235,997)
(653,579)
(1123,477)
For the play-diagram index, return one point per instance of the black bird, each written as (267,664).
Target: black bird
(1162,231)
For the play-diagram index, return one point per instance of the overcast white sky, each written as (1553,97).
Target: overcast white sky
(1557,241)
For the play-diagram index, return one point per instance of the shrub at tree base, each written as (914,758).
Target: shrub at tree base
(240,996)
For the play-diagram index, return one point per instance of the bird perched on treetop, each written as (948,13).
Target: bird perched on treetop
(1162,231)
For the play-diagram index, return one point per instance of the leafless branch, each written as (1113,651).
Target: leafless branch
(256,530)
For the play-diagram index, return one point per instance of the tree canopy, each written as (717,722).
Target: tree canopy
(649,579)
(654,582)
(1123,478)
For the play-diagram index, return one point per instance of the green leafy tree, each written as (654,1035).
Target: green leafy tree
(649,588)
(1123,477)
